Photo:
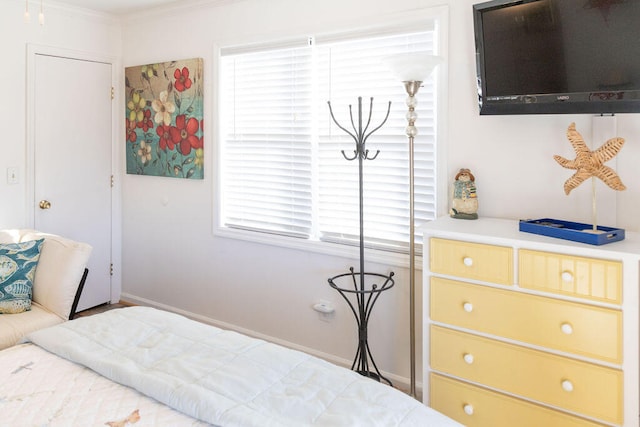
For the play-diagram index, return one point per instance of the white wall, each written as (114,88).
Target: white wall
(170,255)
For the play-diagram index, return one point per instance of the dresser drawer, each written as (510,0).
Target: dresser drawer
(580,387)
(566,326)
(592,278)
(477,407)
(472,260)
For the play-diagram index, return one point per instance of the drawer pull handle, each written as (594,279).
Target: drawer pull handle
(567,386)
(468,261)
(567,276)
(468,307)
(566,328)
(468,409)
(468,358)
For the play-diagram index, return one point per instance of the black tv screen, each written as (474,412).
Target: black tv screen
(558,56)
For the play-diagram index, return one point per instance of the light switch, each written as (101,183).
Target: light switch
(12,175)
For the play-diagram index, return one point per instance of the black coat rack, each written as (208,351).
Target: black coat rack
(363,294)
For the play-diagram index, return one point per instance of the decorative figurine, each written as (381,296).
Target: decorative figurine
(589,163)
(464,204)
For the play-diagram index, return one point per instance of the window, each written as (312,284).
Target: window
(283,171)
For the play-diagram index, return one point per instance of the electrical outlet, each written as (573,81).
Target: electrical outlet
(325,310)
(12,175)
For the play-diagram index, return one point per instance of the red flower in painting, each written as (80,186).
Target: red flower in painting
(164,132)
(132,136)
(183,81)
(183,133)
(146,123)
(200,144)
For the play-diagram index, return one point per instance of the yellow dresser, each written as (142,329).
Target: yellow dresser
(525,330)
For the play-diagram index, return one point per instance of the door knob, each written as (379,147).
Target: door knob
(44,204)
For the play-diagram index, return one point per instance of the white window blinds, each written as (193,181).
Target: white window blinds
(266,114)
(283,170)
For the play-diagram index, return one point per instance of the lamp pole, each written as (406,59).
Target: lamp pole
(412,88)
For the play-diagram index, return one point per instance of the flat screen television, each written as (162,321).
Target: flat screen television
(558,56)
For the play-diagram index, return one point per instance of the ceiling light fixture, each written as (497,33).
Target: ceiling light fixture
(27,16)
(41,15)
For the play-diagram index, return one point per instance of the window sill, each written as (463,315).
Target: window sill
(391,259)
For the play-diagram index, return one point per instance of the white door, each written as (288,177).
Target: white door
(72,160)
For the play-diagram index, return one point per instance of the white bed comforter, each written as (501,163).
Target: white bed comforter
(40,389)
(225,378)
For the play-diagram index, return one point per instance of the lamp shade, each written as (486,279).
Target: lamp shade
(412,67)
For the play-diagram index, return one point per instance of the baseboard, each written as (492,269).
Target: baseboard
(398,381)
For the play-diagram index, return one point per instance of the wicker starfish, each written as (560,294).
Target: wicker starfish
(591,163)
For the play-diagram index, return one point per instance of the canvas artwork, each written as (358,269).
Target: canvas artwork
(164,121)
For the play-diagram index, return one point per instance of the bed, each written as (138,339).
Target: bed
(143,366)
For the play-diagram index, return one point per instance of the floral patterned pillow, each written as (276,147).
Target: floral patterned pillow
(18,262)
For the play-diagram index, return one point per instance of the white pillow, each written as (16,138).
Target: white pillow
(60,268)
(11,236)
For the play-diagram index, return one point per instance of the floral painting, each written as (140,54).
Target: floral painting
(164,121)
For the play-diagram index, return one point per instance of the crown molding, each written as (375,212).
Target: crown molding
(68,9)
(132,12)
(174,7)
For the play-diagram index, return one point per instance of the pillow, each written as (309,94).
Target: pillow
(60,268)
(18,262)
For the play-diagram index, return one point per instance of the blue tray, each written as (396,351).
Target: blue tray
(574,231)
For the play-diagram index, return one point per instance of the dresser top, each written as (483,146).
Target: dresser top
(506,232)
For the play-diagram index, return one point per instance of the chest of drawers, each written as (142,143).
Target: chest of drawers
(526,330)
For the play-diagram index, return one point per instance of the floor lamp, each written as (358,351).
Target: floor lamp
(412,70)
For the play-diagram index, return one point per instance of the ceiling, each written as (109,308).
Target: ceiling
(117,7)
